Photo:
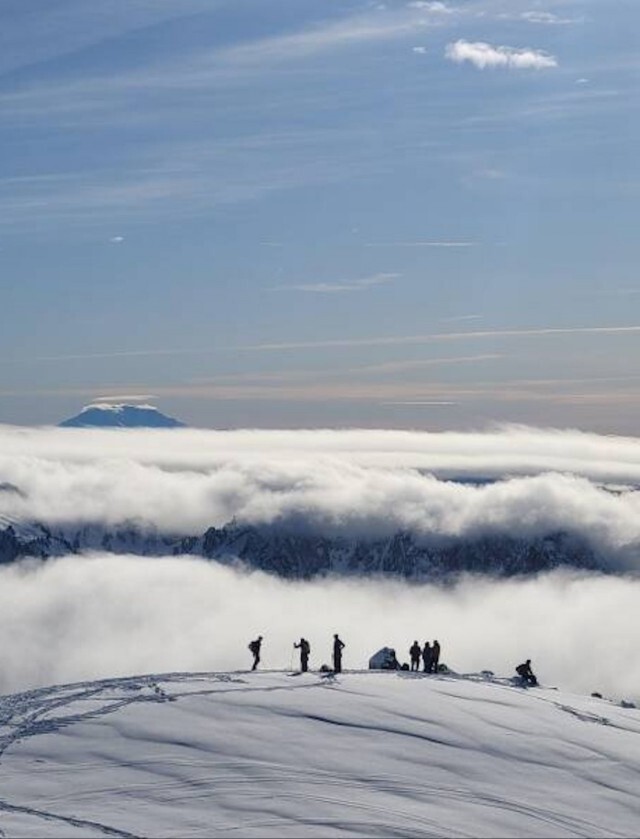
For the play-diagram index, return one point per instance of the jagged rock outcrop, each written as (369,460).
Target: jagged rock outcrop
(402,555)
(300,555)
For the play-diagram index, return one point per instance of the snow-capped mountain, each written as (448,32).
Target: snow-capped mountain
(111,415)
(274,753)
(302,556)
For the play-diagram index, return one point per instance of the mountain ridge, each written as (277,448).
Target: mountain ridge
(297,555)
(120,415)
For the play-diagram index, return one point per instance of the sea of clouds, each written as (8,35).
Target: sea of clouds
(357,483)
(82,617)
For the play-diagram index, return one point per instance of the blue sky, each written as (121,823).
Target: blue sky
(288,213)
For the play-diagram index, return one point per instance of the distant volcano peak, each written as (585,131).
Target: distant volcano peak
(120,415)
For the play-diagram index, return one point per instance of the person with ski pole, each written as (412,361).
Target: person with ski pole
(305,648)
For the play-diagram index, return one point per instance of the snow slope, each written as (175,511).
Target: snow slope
(273,754)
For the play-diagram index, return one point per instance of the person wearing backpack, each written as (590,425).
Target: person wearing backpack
(526,673)
(305,648)
(254,647)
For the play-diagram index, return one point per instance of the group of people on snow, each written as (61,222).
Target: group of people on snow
(428,655)
(305,651)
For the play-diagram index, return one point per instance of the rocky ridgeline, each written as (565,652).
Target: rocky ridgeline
(296,555)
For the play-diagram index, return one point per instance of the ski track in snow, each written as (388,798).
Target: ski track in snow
(263,787)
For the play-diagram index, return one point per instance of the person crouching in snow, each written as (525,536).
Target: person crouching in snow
(526,673)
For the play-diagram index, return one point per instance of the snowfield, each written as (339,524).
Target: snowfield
(275,754)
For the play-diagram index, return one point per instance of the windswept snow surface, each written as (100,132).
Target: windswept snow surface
(274,754)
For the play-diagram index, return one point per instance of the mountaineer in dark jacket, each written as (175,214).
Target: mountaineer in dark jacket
(338,646)
(427,657)
(305,648)
(526,673)
(415,652)
(255,646)
(435,656)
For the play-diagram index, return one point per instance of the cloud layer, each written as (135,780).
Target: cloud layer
(520,482)
(579,631)
(196,615)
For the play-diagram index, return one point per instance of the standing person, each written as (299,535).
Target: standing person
(338,646)
(427,653)
(415,652)
(255,646)
(305,649)
(435,656)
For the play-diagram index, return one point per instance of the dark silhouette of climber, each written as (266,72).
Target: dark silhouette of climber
(427,657)
(338,646)
(305,649)
(526,673)
(415,652)
(435,656)
(255,646)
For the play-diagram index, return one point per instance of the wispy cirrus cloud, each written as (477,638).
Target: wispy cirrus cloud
(216,67)
(433,6)
(356,386)
(340,286)
(420,244)
(458,318)
(435,337)
(384,368)
(381,341)
(547,18)
(483,55)
(380,24)
(415,365)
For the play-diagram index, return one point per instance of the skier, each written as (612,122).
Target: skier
(435,656)
(415,652)
(526,673)
(254,646)
(427,654)
(338,646)
(305,649)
